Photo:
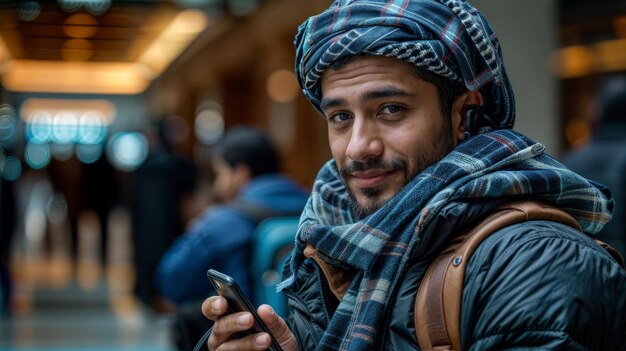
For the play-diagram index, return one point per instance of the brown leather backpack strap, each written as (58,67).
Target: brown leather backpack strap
(437,311)
(611,250)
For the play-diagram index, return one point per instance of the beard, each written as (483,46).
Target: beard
(426,158)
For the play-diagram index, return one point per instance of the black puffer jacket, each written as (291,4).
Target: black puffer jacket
(537,285)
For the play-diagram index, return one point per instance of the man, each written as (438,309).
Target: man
(160,191)
(248,189)
(604,159)
(247,182)
(419,112)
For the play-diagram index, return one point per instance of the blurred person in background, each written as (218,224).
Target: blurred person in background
(8,216)
(604,158)
(99,192)
(67,180)
(160,188)
(250,188)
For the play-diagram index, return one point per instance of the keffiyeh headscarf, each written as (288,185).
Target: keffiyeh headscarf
(447,37)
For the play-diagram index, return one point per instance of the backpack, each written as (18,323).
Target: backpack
(189,325)
(273,240)
(438,324)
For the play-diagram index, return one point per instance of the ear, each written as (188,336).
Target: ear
(462,103)
(241,175)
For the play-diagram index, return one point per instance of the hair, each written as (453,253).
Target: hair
(251,147)
(447,90)
(612,100)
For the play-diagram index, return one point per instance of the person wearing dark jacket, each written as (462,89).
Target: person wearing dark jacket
(604,158)
(247,183)
(420,115)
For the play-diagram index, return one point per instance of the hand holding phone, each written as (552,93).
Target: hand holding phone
(238,302)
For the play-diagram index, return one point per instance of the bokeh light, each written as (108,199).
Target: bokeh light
(8,126)
(89,153)
(91,128)
(56,208)
(95,7)
(282,86)
(62,152)
(209,124)
(39,130)
(28,10)
(127,150)
(11,168)
(80,25)
(64,127)
(37,155)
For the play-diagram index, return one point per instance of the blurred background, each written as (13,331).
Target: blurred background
(101,99)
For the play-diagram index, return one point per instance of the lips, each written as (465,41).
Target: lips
(370,178)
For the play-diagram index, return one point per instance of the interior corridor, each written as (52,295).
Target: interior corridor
(61,306)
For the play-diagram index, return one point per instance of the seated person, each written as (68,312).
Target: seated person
(248,184)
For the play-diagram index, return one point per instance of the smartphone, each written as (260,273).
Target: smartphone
(238,302)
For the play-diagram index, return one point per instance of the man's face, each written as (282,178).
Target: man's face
(384,126)
(225,186)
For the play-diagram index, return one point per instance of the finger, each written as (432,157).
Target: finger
(214,307)
(278,328)
(259,341)
(225,327)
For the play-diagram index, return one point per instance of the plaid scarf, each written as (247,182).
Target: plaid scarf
(447,37)
(494,165)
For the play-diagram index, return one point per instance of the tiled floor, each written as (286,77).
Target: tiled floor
(61,307)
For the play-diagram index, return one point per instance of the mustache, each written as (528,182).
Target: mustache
(357,166)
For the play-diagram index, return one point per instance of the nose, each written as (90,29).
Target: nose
(365,142)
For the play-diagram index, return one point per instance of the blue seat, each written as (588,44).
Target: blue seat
(273,241)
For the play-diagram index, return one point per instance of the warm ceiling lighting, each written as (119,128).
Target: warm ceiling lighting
(80,25)
(173,40)
(579,61)
(75,77)
(573,61)
(72,76)
(31,107)
(77,50)
(5,57)
(611,55)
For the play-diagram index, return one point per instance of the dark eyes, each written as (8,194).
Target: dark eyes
(386,112)
(339,118)
(391,109)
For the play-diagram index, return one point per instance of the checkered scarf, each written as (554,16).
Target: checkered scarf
(494,165)
(447,37)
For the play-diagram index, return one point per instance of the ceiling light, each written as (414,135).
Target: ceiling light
(573,61)
(96,7)
(28,10)
(77,50)
(173,40)
(80,25)
(75,77)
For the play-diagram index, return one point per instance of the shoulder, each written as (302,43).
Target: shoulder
(540,241)
(218,219)
(543,280)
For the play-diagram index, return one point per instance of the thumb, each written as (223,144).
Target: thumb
(278,328)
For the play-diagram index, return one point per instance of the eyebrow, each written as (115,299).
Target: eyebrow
(383,92)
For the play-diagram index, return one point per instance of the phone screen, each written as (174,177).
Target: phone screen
(237,302)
